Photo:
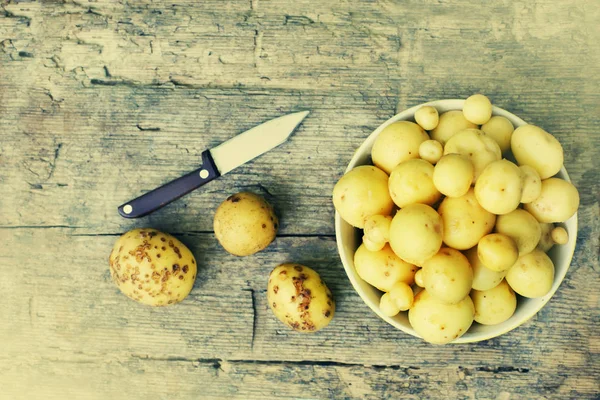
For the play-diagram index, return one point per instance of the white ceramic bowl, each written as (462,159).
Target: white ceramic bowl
(348,240)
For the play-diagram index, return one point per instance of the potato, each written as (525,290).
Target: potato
(477,109)
(532,184)
(453,175)
(465,221)
(152,267)
(382,268)
(361,193)
(499,187)
(245,224)
(416,233)
(495,305)
(521,227)
(377,232)
(497,252)
(500,129)
(532,275)
(402,295)
(448,276)
(437,322)
(559,235)
(431,151)
(411,182)
(398,142)
(483,277)
(299,298)
(427,117)
(537,148)
(476,146)
(546,241)
(450,123)
(419,278)
(388,306)
(558,201)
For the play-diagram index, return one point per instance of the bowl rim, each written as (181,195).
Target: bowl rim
(407,115)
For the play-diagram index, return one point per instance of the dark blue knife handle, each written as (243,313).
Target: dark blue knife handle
(160,197)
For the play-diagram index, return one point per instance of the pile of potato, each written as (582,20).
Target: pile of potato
(451,228)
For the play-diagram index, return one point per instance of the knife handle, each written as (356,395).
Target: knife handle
(160,197)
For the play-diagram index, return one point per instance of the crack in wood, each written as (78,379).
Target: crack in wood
(254,315)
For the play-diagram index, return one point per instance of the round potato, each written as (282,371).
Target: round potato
(377,232)
(532,184)
(388,306)
(299,298)
(537,148)
(521,227)
(499,187)
(453,175)
(497,252)
(476,146)
(411,182)
(361,193)
(402,295)
(437,322)
(483,277)
(532,275)
(465,221)
(398,142)
(152,267)
(419,278)
(500,129)
(495,305)
(450,123)
(382,268)
(427,117)
(431,151)
(558,201)
(416,233)
(448,276)
(245,224)
(546,241)
(559,235)
(477,109)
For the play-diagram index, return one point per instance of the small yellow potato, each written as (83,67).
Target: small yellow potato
(465,221)
(494,306)
(419,278)
(402,295)
(532,275)
(483,277)
(450,123)
(476,146)
(152,267)
(361,193)
(559,235)
(427,117)
(499,187)
(537,148)
(558,201)
(398,142)
(438,322)
(532,184)
(500,129)
(477,109)
(453,175)
(388,306)
(382,268)
(412,182)
(416,233)
(299,298)
(245,224)
(377,232)
(497,252)
(546,241)
(521,227)
(431,151)
(448,276)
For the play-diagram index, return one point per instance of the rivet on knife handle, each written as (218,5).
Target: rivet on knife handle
(160,197)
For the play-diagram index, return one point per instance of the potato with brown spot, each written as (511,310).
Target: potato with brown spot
(299,298)
(151,274)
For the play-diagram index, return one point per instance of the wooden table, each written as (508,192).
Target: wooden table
(103,100)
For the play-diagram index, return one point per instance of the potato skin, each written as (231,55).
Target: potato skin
(411,182)
(245,224)
(497,252)
(453,175)
(499,187)
(483,277)
(361,193)
(477,109)
(476,146)
(546,241)
(533,146)
(427,117)
(299,298)
(500,129)
(382,268)
(532,184)
(448,276)
(398,142)
(558,201)
(450,123)
(152,267)
(495,305)
(532,275)
(521,227)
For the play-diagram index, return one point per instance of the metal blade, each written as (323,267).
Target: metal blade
(254,142)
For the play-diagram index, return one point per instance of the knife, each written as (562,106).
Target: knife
(216,162)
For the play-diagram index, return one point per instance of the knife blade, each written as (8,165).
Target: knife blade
(216,162)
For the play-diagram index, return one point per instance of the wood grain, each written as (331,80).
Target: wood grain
(103,100)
